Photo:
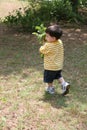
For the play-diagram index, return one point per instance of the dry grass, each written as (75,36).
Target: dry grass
(23,103)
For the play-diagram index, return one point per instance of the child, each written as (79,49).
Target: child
(53,59)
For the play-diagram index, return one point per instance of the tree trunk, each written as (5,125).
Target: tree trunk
(74,4)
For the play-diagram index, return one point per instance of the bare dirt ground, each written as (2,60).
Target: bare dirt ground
(7,6)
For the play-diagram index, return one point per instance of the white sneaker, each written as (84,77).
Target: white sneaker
(65,88)
(50,90)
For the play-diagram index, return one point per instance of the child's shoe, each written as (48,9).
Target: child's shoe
(50,90)
(47,89)
(65,89)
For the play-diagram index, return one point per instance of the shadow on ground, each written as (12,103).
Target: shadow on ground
(18,51)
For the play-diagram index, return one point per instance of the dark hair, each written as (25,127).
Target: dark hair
(54,31)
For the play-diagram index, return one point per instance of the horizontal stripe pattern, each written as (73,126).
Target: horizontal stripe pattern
(53,55)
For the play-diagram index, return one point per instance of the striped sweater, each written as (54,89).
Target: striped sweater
(53,55)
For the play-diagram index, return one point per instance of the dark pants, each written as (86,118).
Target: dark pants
(50,76)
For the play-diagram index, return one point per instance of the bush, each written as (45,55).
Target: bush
(42,11)
(25,20)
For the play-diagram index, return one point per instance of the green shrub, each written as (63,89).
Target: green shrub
(26,20)
(42,11)
(61,10)
(83,3)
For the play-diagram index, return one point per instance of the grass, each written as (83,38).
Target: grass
(23,103)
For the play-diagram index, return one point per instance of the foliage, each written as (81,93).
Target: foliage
(44,11)
(40,33)
(83,3)
(26,19)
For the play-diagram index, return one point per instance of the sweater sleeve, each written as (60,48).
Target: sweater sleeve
(44,49)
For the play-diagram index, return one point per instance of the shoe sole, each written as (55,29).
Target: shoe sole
(67,90)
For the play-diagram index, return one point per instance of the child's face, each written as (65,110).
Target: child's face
(49,38)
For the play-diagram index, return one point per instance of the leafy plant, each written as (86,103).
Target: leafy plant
(44,11)
(27,20)
(40,34)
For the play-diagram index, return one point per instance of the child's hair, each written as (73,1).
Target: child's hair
(54,31)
